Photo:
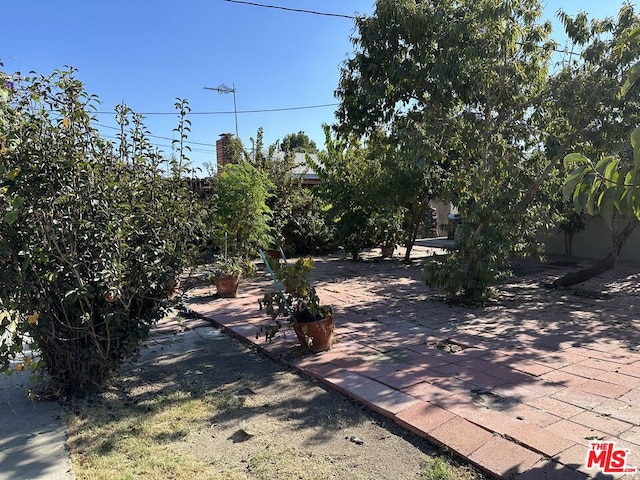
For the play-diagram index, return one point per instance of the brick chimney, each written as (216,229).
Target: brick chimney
(223,155)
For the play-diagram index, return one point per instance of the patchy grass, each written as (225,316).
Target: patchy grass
(110,439)
(436,468)
(216,410)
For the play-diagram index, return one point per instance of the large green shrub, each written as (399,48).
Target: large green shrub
(308,230)
(241,213)
(299,219)
(350,181)
(461,85)
(92,237)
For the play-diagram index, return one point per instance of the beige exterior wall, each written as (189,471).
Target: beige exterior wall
(442,209)
(594,243)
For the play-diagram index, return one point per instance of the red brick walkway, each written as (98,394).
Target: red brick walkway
(519,388)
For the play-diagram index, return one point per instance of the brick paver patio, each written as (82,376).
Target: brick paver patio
(519,387)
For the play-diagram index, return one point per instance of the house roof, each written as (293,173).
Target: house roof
(302,169)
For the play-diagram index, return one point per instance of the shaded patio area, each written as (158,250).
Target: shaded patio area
(519,387)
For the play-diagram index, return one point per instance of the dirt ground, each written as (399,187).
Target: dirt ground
(238,414)
(270,423)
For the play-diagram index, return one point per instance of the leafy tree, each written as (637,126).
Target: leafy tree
(409,181)
(349,177)
(609,188)
(379,192)
(298,142)
(285,185)
(308,230)
(466,76)
(241,214)
(298,218)
(92,237)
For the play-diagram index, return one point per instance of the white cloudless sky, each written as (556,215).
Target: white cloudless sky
(148,53)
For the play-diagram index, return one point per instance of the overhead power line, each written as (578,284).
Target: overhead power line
(298,10)
(340,15)
(210,113)
(160,145)
(264,110)
(161,138)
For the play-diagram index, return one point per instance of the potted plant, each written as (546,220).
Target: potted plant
(298,302)
(387,249)
(274,256)
(388,232)
(227,271)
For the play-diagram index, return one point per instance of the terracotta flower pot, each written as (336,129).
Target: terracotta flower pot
(387,250)
(273,253)
(227,286)
(316,336)
(172,287)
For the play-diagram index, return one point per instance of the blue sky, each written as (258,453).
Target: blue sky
(148,53)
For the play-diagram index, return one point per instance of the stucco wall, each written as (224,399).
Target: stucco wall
(594,242)
(442,209)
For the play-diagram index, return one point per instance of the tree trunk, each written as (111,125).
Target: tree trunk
(413,220)
(607,263)
(409,242)
(568,245)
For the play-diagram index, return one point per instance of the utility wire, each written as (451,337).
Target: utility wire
(264,110)
(285,109)
(110,127)
(156,136)
(159,145)
(243,2)
(253,4)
